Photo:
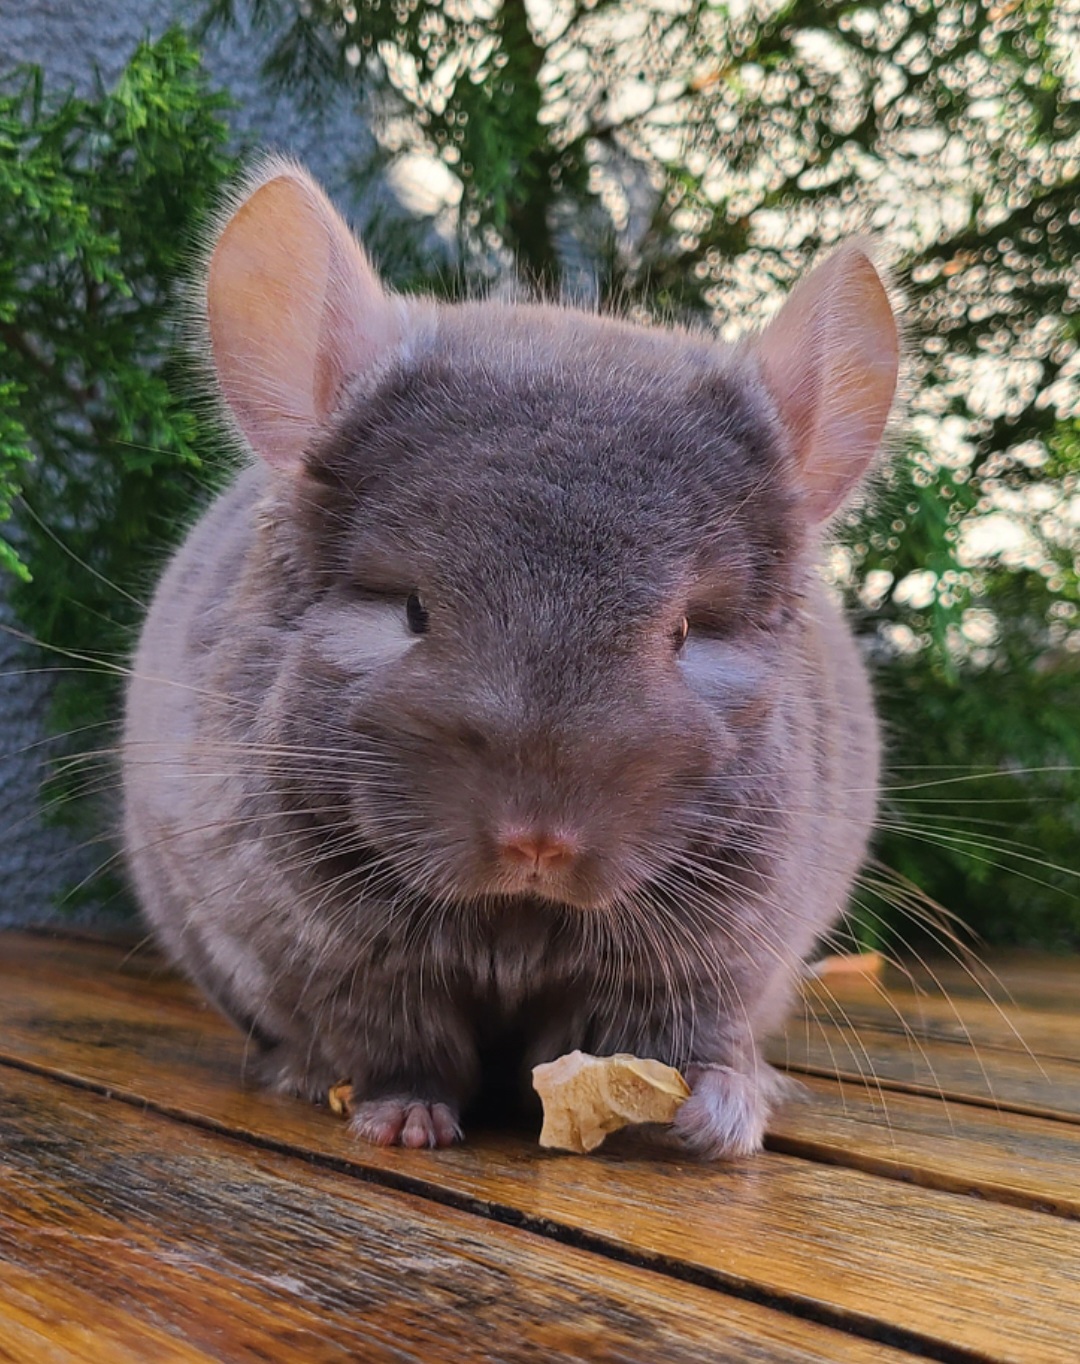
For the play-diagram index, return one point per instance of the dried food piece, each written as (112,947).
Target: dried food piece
(340,1097)
(586,1097)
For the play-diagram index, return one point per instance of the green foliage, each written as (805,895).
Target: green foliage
(980,692)
(703,154)
(14,452)
(690,158)
(100,202)
(460,81)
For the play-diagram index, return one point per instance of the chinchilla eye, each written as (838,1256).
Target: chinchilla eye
(416,615)
(680,633)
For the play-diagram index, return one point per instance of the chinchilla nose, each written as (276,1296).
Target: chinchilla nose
(535,850)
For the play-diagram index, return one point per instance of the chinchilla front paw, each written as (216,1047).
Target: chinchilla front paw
(404,1120)
(727,1110)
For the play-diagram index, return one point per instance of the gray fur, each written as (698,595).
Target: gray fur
(311,792)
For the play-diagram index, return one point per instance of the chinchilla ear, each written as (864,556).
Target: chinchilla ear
(295,311)
(830,359)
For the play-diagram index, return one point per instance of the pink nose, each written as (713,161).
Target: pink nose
(540,852)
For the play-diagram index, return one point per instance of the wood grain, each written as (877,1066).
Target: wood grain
(963,1148)
(1040,981)
(954,1272)
(124,1236)
(46,1318)
(989,1007)
(999,1078)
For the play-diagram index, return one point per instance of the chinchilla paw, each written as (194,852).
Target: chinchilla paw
(401,1120)
(726,1112)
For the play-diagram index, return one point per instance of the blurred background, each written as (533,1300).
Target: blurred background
(674,160)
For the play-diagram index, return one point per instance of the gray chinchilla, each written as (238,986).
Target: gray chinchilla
(498,705)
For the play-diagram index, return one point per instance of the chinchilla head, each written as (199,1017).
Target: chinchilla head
(534,573)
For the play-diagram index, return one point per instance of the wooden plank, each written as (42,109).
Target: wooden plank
(855,1013)
(954,1272)
(1014,1081)
(126,1237)
(951,1005)
(963,1148)
(1040,981)
(955,1147)
(974,1071)
(49,1320)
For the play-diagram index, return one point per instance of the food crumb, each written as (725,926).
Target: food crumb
(339,1097)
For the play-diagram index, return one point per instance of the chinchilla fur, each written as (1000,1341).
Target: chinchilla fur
(499,704)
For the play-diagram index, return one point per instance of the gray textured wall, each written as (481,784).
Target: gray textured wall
(68,39)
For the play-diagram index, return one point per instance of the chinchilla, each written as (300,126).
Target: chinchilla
(498,703)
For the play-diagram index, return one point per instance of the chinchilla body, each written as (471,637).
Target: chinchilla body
(499,702)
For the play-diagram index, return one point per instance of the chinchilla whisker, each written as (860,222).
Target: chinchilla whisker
(912,903)
(659,947)
(95,785)
(960,839)
(709,913)
(947,927)
(890,819)
(686,965)
(634,931)
(726,987)
(103,664)
(351,757)
(616,952)
(243,823)
(25,507)
(861,1061)
(911,1036)
(52,742)
(240,822)
(671,911)
(258,754)
(968,843)
(845,1029)
(115,858)
(51,670)
(976,851)
(975,775)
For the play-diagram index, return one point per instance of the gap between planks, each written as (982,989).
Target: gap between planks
(113,1227)
(135,1005)
(136,994)
(853,1323)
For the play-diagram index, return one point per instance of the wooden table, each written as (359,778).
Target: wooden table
(153,1209)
